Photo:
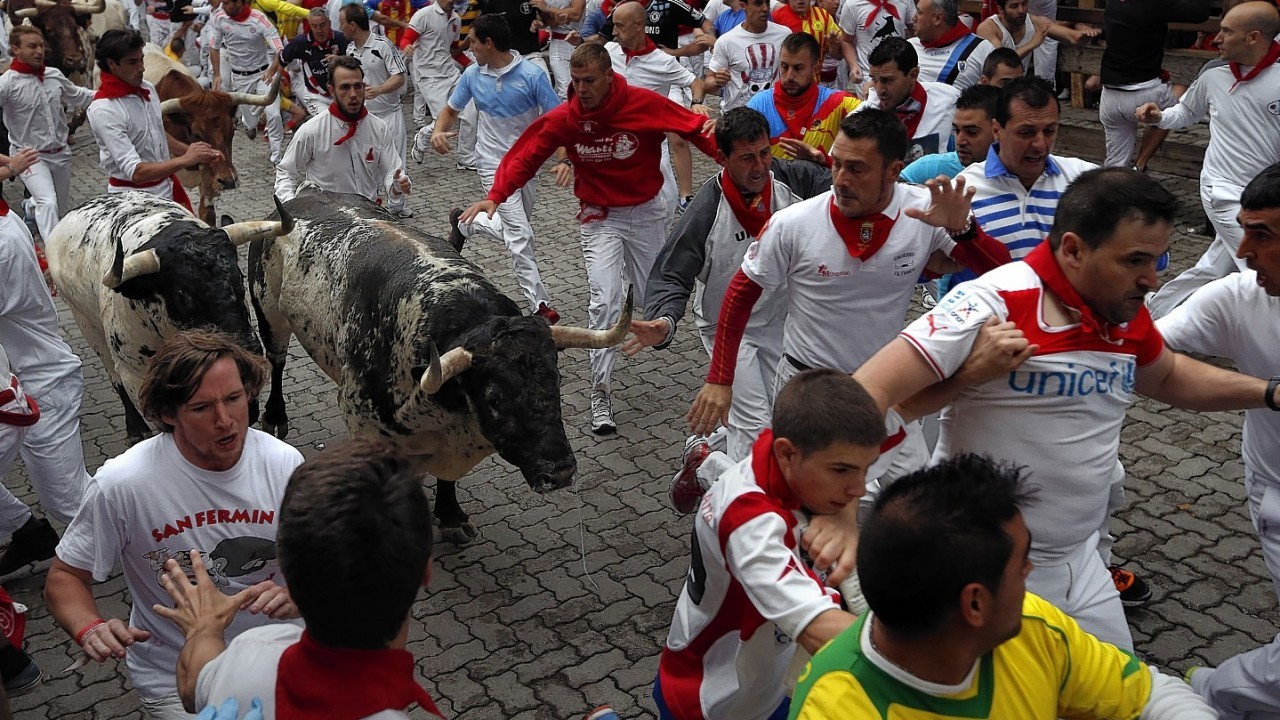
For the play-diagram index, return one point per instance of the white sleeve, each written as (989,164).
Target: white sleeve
(390,163)
(73,95)
(719,56)
(778,585)
(94,541)
(1191,109)
(293,166)
(394,60)
(1172,699)
(768,258)
(1206,322)
(848,19)
(944,336)
(272,37)
(109,130)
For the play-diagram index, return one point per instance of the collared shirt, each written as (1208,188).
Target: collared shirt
(129,131)
(33,109)
(507,99)
(654,70)
(247,45)
(958,64)
(437,31)
(933,132)
(380,60)
(306,57)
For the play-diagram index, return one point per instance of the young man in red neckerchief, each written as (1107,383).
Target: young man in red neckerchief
(133,147)
(925,108)
(804,117)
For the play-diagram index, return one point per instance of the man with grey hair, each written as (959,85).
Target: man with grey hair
(305,56)
(949,51)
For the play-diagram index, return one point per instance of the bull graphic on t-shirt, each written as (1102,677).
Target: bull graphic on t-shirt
(763,58)
(232,558)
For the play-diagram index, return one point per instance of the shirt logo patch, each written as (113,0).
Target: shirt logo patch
(903,263)
(368,157)
(824,271)
(1274,107)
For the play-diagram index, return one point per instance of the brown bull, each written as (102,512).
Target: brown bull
(64,23)
(194,114)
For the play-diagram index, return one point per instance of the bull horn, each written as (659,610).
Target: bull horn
(258,100)
(93,7)
(172,105)
(576,337)
(124,269)
(246,232)
(26,13)
(442,369)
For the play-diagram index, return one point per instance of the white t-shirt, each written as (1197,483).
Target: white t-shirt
(1234,318)
(380,60)
(1244,129)
(247,669)
(958,64)
(364,164)
(149,505)
(841,310)
(1058,415)
(751,59)
(654,70)
(28,321)
(853,21)
(33,110)
(247,45)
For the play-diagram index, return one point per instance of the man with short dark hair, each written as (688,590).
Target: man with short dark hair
(207,483)
(925,108)
(133,147)
(959,636)
(384,75)
(745,59)
(751,595)
(867,23)
(355,517)
(949,51)
(347,149)
(1016,29)
(1078,297)
(972,130)
(1002,67)
(613,134)
(804,116)
(250,44)
(306,58)
(1244,138)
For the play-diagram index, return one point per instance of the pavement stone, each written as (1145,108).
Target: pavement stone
(562,603)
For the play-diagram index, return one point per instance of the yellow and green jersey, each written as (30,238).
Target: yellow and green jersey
(1052,669)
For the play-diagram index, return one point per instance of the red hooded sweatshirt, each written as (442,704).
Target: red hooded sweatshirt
(615,149)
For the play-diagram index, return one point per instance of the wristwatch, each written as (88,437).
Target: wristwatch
(1271,392)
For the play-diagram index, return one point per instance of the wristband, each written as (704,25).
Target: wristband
(566,161)
(87,629)
(1271,392)
(968,233)
(695,102)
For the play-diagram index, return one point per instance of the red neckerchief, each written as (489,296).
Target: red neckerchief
(753,216)
(351,124)
(649,46)
(911,116)
(13,417)
(950,36)
(1045,265)
(19,66)
(1273,54)
(796,112)
(315,682)
(862,236)
(764,465)
(111,87)
(243,14)
(876,7)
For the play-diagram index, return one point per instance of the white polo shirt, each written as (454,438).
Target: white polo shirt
(380,60)
(654,70)
(853,22)
(841,310)
(246,46)
(1234,318)
(751,59)
(437,31)
(958,64)
(33,109)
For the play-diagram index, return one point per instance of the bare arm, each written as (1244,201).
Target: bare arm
(1180,381)
(67,590)
(823,628)
(895,373)
(215,60)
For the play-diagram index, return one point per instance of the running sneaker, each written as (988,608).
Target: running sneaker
(1133,591)
(25,680)
(602,413)
(604,712)
(548,313)
(685,491)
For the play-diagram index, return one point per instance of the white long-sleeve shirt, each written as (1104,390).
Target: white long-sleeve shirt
(33,109)
(1244,131)
(129,131)
(364,164)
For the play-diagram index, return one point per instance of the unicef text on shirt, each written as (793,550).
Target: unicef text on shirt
(1075,383)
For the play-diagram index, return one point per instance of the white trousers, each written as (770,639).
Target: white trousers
(1117,110)
(1245,686)
(315,103)
(249,114)
(13,512)
(166,708)
(52,451)
(559,52)
(1264,510)
(751,410)
(430,95)
(1045,57)
(619,245)
(49,182)
(158,31)
(512,224)
(1080,585)
(1222,204)
(395,123)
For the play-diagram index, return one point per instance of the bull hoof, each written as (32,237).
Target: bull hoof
(460,534)
(280,430)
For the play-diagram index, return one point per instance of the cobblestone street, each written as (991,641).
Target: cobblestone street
(563,601)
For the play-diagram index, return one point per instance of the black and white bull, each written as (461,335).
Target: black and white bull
(135,268)
(375,303)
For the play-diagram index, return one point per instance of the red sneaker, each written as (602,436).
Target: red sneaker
(686,492)
(548,313)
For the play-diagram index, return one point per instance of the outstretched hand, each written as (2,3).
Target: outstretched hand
(950,206)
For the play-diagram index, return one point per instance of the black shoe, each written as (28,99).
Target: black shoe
(34,541)
(456,238)
(1133,591)
(24,680)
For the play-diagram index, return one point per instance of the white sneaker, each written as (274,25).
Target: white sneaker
(404,212)
(602,413)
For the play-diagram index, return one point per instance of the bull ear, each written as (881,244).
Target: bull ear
(226,220)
